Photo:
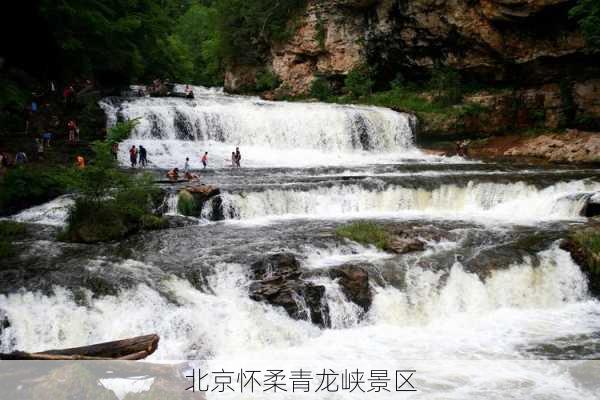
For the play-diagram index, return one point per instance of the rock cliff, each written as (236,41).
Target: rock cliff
(531,47)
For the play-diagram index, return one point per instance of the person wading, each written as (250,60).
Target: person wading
(205,159)
(238,157)
(143,156)
(133,156)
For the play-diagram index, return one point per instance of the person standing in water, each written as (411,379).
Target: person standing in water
(133,156)
(205,159)
(143,156)
(186,166)
(238,157)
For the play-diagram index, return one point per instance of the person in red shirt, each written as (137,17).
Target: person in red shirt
(133,156)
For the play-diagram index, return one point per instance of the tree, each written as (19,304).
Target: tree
(587,14)
(358,82)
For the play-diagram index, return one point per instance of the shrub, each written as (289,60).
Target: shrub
(186,204)
(27,186)
(358,82)
(589,242)
(266,80)
(111,204)
(367,233)
(587,14)
(446,85)
(320,89)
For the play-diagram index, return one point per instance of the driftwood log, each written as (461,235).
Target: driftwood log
(136,348)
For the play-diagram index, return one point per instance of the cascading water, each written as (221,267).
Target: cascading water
(515,201)
(269,133)
(491,283)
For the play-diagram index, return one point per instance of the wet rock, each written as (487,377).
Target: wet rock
(276,265)
(354,281)
(278,282)
(585,255)
(193,199)
(405,245)
(592,207)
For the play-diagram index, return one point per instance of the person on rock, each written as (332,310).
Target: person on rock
(173,174)
(80,162)
(191,177)
(72,131)
(20,158)
(114,150)
(46,138)
(205,159)
(133,156)
(238,157)
(40,148)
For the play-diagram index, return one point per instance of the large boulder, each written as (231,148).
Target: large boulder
(592,206)
(278,282)
(193,199)
(354,281)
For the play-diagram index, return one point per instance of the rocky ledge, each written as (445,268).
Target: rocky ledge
(279,279)
(572,146)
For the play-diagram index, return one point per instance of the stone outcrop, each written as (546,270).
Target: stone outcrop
(572,146)
(592,206)
(354,281)
(278,281)
(530,45)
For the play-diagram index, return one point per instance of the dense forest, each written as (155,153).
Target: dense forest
(116,42)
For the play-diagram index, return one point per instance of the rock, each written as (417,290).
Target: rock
(276,265)
(193,199)
(585,259)
(405,245)
(278,282)
(592,206)
(572,146)
(354,281)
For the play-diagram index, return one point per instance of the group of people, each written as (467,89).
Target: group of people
(136,155)
(236,158)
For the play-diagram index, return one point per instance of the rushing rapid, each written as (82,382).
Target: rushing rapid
(479,309)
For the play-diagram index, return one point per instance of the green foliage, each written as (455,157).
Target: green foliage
(367,233)
(445,83)
(358,82)
(26,186)
(588,241)
(186,204)
(9,231)
(247,27)
(196,29)
(587,15)
(111,203)
(320,89)
(266,80)
(321,33)
(117,40)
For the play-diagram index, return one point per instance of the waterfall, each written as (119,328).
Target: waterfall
(508,201)
(269,133)
(231,323)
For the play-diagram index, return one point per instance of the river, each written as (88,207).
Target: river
(483,295)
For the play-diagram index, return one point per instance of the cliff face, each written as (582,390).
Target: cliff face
(530,45)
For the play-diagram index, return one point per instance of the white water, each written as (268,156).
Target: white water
(463,318)
(508,202)
(437,316)
(269,133)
